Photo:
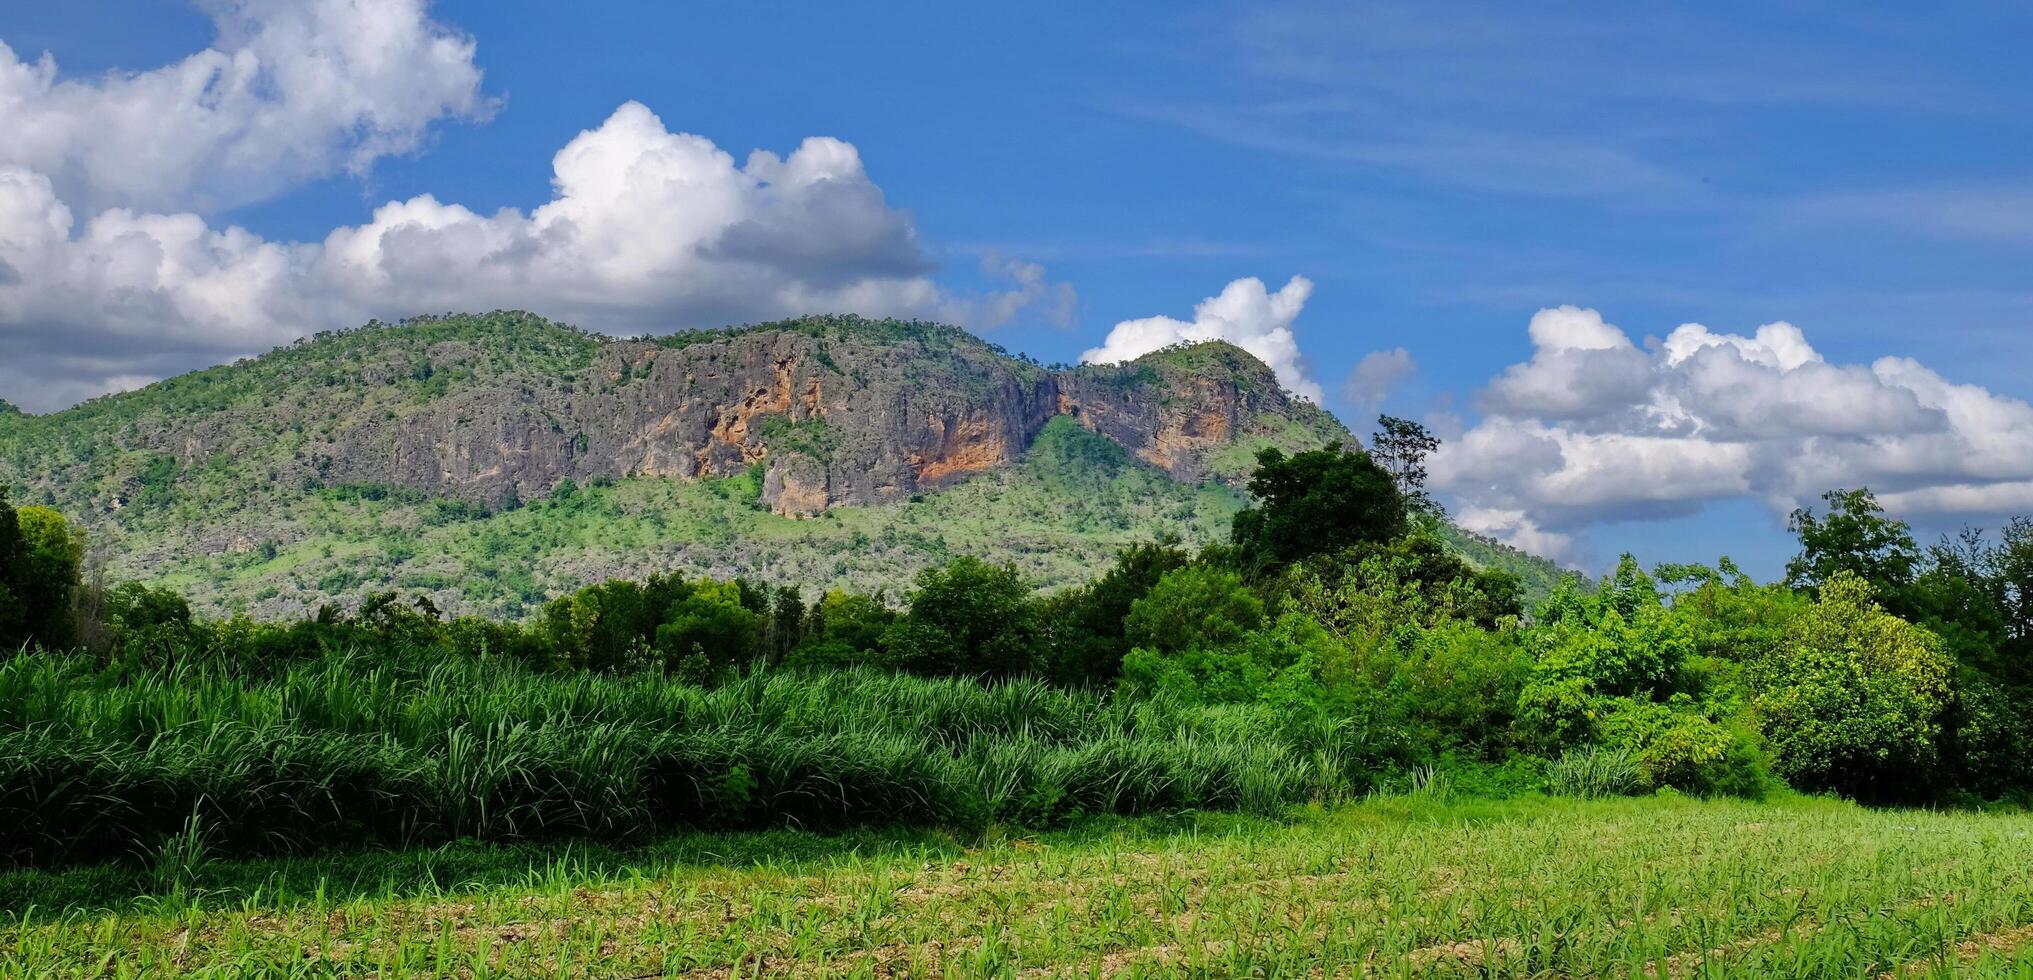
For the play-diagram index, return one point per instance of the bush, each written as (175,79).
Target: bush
(1677,745)
(1459,685)
(1194,608)
(1854,701)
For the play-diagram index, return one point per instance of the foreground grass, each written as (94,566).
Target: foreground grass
(1405,886)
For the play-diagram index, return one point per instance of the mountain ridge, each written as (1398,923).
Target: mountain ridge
(394,456)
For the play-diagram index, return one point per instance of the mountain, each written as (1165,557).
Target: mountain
(492,461)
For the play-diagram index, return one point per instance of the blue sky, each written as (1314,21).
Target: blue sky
(1439,175)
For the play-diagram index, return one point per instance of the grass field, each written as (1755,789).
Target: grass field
(1408,885)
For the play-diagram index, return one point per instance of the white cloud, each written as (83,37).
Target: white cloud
(1376,375)
(647,229)
(1246,314)
(1593,429)
(291,90)
(1514,528)
(1579,364)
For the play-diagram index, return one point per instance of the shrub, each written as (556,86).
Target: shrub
(1194,608)
(1455,682)
(1676,744)
(1854,701)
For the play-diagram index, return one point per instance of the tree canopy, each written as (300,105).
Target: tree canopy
(1315,502)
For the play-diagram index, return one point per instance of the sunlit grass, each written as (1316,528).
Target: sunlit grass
(1398,886)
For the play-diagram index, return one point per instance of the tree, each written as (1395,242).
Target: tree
(711,623)
(1315,502)
(1854,701)
(1084,624)
(603,627)
(1194,608)
(147,622)
(1400,446)
(967,618)
(13,615)
(844,629)
(40,557)
(1854,537)
(1374,588)
(785,627)
(1621,642)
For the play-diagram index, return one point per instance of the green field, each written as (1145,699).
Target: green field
(1413,884)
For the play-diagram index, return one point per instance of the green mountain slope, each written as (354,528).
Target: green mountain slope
(1059,514)
(493,461)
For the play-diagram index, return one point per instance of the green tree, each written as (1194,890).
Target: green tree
(43,553)
(968,618)
(1587,649)
(1194,608)
(1375,587)
(13,615)
(1401,446)
(606,627)
(1084,624)
(844,629)
(785,627)
(1315,502)
(711,623)
(1856,537)
(1854,701)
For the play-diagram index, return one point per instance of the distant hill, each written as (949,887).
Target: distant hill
(494,460)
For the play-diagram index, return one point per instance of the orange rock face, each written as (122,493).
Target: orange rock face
(962,446)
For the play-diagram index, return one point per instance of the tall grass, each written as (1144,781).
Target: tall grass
(202,757)
(1595,773)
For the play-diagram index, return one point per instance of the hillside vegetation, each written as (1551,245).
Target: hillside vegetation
(355,462)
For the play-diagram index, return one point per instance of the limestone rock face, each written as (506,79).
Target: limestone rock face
(831,418)
(1195,412)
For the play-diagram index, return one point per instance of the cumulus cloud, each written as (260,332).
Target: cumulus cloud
(650,228)
(1246,313)
(1578,363)
(1376,375)
(1594,429)
(647,229)
(291,90)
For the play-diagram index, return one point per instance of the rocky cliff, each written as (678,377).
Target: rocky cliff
(832,412)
